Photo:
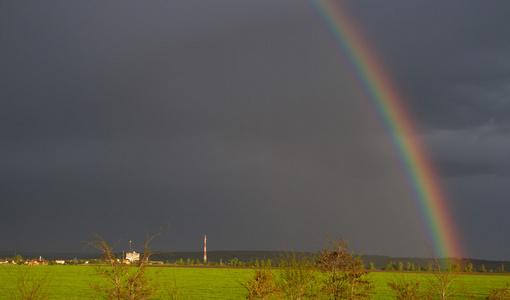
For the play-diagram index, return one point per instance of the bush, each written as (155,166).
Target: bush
(262,286)
(500,294)
(443,284)
(233,262)
(296,276)
(28,286)
(371,266)
(124,282)
(345,276)
(405,290)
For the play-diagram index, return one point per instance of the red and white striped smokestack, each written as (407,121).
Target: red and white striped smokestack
(205,249)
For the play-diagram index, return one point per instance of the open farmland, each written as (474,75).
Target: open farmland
(73,282)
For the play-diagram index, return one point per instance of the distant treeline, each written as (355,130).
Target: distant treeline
(261,258)
(377,262)
(423,264)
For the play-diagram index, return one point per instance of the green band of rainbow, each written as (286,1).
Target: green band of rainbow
(375,83)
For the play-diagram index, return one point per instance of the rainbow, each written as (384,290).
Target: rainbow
(375,84)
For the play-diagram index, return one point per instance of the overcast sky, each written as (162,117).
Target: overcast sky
(241,120)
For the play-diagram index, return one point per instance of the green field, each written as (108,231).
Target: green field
(73,282)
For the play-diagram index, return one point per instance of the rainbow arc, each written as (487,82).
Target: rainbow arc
(376,85)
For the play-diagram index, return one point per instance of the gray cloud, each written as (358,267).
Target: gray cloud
(241,120)
(434,49)
(480,151)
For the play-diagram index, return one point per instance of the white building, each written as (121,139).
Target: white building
(132,256)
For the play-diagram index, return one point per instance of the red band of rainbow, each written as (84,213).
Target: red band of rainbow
(376,85)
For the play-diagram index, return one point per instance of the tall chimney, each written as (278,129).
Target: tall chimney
(205,249)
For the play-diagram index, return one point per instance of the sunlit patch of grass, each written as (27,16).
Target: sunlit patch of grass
(73,282)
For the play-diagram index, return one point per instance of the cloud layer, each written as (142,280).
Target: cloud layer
(242,122)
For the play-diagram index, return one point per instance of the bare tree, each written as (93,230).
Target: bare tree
(443,284)
(27,285)
(124,281)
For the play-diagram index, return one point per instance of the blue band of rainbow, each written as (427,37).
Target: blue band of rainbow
(374,82)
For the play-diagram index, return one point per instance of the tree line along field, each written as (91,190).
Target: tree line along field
(73,282)
(380,262)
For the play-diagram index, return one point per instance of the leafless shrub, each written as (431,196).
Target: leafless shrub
(27,285)
(175,290)
(123,281)
(444,282)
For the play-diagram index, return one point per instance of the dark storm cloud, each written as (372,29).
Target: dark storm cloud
(451,61)
(436,50)
(474,151)
(237,120)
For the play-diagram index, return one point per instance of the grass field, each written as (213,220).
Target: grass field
(73,282)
